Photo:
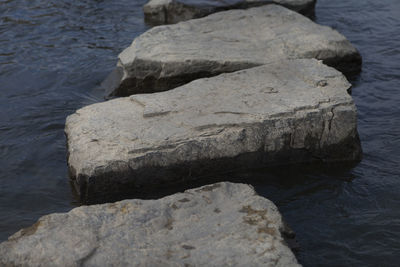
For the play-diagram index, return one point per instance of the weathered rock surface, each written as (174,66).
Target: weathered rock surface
(279,113)
(222,224)
(169,56)
(173,11)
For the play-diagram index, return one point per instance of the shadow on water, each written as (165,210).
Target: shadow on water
(266,181)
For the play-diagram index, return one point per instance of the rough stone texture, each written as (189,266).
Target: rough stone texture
(173,11)
(222,224)
(169,56)
(279,113)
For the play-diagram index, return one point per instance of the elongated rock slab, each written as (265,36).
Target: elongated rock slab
(222,224)
(279,113)
(169,56)
(173,11)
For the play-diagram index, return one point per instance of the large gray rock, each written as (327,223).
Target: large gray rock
(169,56)
(279,113)
(216,225)
(173,11)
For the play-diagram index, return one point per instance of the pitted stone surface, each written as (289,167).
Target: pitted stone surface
(222,224)
(173,11)
(166,57)
(283,112)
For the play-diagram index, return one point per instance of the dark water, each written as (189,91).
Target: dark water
(54,54)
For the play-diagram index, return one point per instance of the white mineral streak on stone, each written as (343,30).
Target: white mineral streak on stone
(222,224)
(282,108)
(173,11)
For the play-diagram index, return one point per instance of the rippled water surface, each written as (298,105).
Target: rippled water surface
(54,54)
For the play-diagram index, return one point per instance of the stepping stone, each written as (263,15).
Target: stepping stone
(166,57)
(279,113)
(222,224)
(173,11)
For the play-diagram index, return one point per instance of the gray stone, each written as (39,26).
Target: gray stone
(222,224)
(279,113)
(172,11)
(166,57)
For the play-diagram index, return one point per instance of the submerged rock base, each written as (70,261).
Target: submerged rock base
(215,225)
(284,112)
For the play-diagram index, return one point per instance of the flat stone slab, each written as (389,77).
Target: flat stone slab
(222,224)
(172,11)
(280,113)
(166,57)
